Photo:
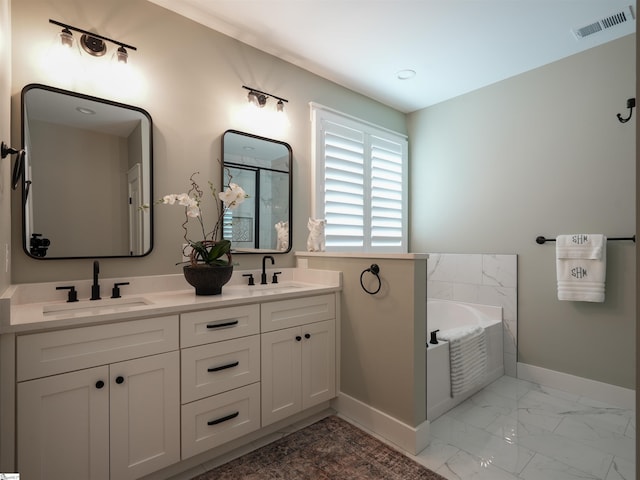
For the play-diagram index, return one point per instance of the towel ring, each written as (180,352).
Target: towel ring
(375,270)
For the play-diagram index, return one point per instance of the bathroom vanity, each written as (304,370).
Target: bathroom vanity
(121,388)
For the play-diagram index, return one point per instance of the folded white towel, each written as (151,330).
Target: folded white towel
(581,264)
(580,245)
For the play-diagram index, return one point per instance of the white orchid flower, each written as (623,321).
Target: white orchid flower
(193,210)
(169,199)
(233,196)
(192,207)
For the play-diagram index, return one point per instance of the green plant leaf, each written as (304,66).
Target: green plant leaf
(217,250)
(211,253)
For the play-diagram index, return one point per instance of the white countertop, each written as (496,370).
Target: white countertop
(30,307)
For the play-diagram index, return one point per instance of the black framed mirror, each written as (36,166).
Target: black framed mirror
(87,171)
(262,167)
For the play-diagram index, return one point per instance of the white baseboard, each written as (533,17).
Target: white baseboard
(612,394)
(410,439)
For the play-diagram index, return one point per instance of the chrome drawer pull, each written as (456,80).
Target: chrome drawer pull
(223,367)
(222,325)
(223,419)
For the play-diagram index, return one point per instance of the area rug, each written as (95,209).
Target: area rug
(330,449)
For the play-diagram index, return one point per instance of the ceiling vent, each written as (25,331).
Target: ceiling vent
(619,18)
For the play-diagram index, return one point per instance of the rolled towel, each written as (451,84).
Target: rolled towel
(467,357)
(459,333)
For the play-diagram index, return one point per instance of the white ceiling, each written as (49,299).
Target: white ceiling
(454,46)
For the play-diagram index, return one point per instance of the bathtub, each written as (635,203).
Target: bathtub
(444,315)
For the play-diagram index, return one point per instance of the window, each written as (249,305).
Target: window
(360,173)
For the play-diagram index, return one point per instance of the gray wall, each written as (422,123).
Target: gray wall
(87,155)
(540,154)
(382,336)
(193,79)
(5,165)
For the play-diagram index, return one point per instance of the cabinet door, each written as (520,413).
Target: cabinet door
(145,415)
(281,370)
(318,363)
(63,426)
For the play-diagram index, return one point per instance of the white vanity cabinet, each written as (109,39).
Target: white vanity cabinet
(298,355)
(220,376)
(126,397)
(99,402)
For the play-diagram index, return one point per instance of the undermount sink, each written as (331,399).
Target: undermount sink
(278,286)
(108,305)
(268,288)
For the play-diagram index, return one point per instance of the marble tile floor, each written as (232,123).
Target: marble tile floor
(517,430)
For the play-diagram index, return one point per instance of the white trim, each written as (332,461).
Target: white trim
(313,187)
(603,392)
(410,439)
(318,106)
(381,256)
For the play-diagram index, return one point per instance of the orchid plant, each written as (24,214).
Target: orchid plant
(207,250)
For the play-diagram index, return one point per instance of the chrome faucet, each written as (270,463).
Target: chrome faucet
(95,288)
(263,278)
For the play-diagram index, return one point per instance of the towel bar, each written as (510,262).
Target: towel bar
(540,240)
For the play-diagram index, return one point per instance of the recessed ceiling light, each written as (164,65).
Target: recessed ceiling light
(86,111)
(405,74)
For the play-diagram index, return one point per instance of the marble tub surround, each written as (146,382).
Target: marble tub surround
(486,279)
(27,306)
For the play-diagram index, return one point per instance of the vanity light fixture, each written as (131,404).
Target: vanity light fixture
(122,55)
(92,43)
(259,99)
(66,38)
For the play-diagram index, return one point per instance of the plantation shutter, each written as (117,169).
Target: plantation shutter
(343,186)
(360,182)
(387,186)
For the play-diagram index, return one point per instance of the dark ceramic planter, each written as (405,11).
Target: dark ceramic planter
(208,279)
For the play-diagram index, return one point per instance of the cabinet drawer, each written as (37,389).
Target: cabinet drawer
(215,420)
(217,367)
(198,328)
(49,353)
(297,311)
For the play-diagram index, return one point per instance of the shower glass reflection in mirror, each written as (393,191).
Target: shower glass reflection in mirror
(262,167)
